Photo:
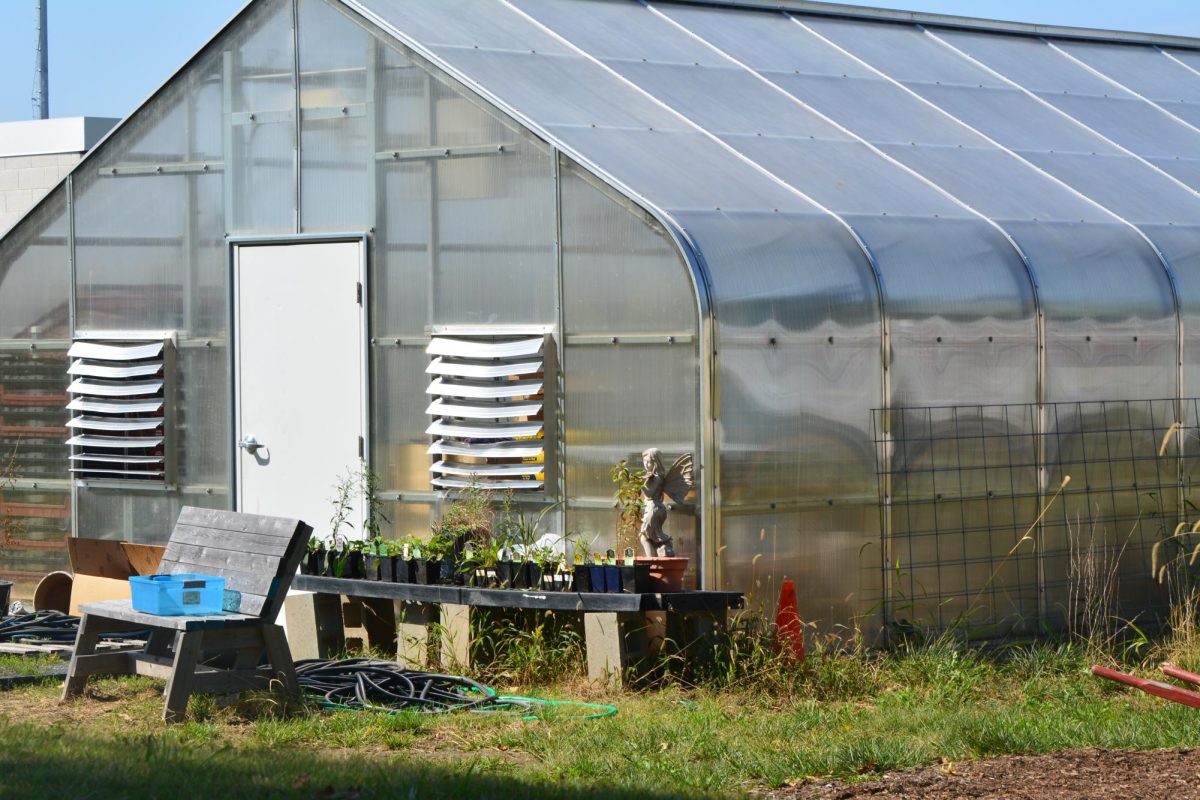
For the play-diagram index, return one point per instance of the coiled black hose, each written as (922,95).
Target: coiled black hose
(375,685)
(53,627)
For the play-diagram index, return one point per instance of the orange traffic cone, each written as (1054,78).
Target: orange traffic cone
(789,632)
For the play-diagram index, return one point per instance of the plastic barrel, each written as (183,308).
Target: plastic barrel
(53,592)
(5,590)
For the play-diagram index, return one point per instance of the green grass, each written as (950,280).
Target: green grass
(846,716)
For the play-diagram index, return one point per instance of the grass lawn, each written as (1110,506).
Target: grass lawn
(845,716)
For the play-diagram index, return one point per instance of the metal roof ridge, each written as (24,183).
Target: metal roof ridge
(951,21)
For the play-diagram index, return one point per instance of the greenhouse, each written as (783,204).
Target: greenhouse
(920,294)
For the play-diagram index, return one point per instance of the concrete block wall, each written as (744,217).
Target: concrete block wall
(24,179)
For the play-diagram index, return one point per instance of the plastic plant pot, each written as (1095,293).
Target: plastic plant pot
(580,579)
(533,575)
(354,566)
(597,579)
(371,566)
(504,574)
(313,563)
(5,592)
(612,578)
(520,575)
(431,572)
(447,575)
(387,569)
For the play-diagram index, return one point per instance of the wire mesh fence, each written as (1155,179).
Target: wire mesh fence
(1002,519)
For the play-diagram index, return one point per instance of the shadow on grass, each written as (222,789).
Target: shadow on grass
(39,762)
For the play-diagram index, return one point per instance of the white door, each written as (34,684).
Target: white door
(300,386)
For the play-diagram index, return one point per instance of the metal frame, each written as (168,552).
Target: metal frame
(232,244)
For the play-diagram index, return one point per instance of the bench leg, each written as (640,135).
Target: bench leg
(85,645)
(183,674)
(615,642)
(456,637)
(413,621)
(280,656)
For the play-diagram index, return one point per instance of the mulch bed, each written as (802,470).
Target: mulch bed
(1072,774)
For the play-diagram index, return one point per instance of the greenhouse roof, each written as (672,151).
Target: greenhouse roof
(1009,167)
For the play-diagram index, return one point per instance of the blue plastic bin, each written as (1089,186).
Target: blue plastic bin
(177,595)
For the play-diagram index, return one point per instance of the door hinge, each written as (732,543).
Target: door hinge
(362,448)
(358,293)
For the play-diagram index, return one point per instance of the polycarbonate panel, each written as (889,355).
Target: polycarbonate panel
(476,25)
(1073,89)
(904,52)
(621,274)
(148,245)
(822,550)
(799,357)
(1145,70)
(263,134)
(32,421)
(44,517)
(604,422)
(132,516)
(1014,119)
(398,420)
(204,440)
(337,118)
(35,274)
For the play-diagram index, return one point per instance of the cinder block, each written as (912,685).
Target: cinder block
(37,177)
(16,162)
(44,161)
(8,180)
(68,159)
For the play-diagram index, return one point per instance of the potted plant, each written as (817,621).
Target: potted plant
(544,561)
(612,572)
(439,557)
(408,560)
(314,559)
(337,563)
(580,575)
(390,565)
(355,552)
(373,559)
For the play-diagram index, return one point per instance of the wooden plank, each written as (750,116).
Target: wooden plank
(102,664)
(248,542)
(222,560)
(238,522)
(122,611)
(248,583)
(183,674)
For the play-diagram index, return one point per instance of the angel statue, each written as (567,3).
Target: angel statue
(675,483)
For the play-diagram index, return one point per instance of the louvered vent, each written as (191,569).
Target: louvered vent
(489,410)
(119,406)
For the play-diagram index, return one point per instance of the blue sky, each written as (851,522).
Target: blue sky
(106,56)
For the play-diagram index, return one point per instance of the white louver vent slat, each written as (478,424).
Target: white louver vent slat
(488,406)
(121,417)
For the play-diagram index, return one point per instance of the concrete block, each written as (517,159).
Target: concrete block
(314,625)
(8,179)
(16,162)
(44,161)
(414,628)
(35,178)
(456,637)
(68,159)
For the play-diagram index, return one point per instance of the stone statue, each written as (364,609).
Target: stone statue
(675,483)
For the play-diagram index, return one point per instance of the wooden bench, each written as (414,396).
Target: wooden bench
(620,630)
(257,556)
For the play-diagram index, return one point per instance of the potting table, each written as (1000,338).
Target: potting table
(619,629)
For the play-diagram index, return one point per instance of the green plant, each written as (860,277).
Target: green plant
(631,503)
(368,487)
(467,518)
(343,505)
(315,543)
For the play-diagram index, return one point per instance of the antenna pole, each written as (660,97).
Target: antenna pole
(41,75)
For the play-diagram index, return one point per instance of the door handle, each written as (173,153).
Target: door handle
(250,444)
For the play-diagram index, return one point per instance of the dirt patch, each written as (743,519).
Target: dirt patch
(1074,774)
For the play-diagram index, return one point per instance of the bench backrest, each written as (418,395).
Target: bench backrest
(256,555)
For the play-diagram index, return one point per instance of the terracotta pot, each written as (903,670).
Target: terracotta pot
(666,573)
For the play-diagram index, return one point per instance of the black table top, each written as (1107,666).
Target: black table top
(522,598)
